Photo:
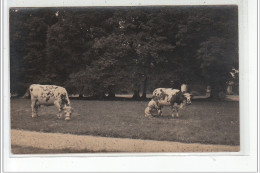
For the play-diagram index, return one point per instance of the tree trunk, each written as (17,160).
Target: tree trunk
(111,95)
(99,95)
(217,93)
(22,93)
(144,88)
(136,94)
(80,96)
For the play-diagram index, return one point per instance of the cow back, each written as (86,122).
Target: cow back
(168,96)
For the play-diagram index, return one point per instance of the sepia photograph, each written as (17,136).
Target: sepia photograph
(117,79)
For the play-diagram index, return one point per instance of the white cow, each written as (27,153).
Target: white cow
(49,95)
(171,97)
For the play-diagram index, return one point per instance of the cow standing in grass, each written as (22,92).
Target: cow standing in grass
(171,97)
(49,95)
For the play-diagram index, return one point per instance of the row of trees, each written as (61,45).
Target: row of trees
(94,51)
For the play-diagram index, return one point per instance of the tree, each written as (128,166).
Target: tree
(27,37)
(122,49)
(17,47)
(142,46)
(216,63)
(211,36)
(69,43)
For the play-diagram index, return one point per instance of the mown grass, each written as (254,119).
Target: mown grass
(207,122)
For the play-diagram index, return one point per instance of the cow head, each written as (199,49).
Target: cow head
(187,98)
(68,111)
(154,103)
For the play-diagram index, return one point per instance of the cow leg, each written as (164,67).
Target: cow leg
(57,104)
(37,108)
(34,109)
(147,112)
(177,113)
(160,111)
(67,114)
(173,112)
(67,117)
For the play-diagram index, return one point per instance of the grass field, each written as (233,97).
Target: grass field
(207,122)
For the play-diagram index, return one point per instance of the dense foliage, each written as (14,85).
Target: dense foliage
(94,51)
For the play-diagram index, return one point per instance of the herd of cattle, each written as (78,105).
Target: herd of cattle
(49,95)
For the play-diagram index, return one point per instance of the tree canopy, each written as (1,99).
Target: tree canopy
(107,50)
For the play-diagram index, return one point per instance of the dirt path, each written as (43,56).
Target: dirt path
(56,141)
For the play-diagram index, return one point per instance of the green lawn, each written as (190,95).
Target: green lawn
(207,122)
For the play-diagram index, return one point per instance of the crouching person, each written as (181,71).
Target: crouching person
(49,95)
(152,109)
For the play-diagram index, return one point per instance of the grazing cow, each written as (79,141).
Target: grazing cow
(171,97)
(49,95)
(152,109)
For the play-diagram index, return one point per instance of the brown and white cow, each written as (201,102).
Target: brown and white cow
(49,95)
(171,97)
